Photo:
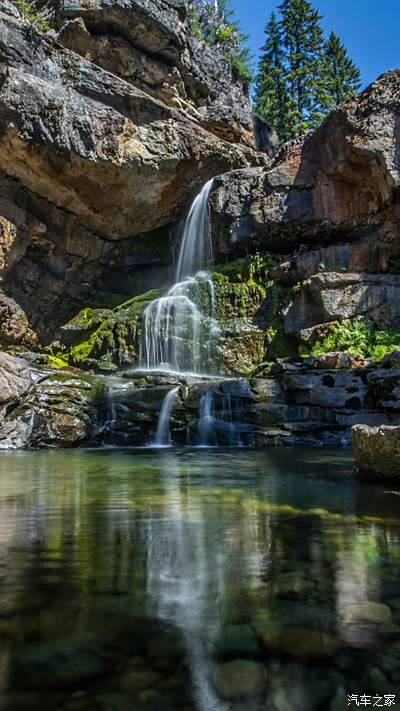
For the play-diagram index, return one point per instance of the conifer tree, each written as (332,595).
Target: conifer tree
(300,76)
(342,77)
(271,96)
(303,41)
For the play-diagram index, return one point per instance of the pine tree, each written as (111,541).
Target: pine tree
(271,96)
(342,77)
(303,41)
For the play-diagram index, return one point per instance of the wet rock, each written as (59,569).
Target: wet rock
(59,663)
(166,647)
(138,679)
(298,642)
(372,613)
(237,641)
(377,451)
(240,678)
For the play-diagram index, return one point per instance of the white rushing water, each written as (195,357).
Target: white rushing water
(163,434)
(179,329)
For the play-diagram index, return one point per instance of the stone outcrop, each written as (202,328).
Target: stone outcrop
(94,168)
(342,181)
(327,211)
(40,407)
(293,401)
(333,296)
(148,43)
(377,451)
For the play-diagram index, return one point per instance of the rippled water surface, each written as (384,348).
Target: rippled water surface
(200,580)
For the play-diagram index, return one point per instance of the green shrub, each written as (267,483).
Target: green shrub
(33,15)
(360,337)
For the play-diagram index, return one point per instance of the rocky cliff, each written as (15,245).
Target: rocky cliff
(109,124)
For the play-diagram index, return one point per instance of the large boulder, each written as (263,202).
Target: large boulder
(40,407)
(377,451)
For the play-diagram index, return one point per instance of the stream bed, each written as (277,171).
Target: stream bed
(196,580)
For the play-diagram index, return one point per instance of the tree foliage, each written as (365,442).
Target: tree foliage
(215,23)
(343,78)
(301,76)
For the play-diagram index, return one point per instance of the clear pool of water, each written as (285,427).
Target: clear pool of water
(204,580)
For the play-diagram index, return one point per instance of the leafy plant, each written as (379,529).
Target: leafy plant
(33,15)
(360,337)
(215,24)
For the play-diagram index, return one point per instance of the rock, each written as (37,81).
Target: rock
(15,377)
(138,680)
(240,679)
(149,44)
(338,184)
(43,408)
(166,647)
(298,642)
(63,116)
(237,641)
(377,451)
(59,663)
(331,296)
(368,612)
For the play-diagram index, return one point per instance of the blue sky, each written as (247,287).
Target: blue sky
(369,29)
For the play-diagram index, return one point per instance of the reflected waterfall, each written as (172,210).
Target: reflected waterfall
(186,582)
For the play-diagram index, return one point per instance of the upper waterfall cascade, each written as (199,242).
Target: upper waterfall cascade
(180,329)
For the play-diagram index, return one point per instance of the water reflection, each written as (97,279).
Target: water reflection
(195,580)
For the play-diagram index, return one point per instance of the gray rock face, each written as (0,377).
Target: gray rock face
(340,181)
(150,45)
(90,163)
(377,451)
(42,408)
(335,296)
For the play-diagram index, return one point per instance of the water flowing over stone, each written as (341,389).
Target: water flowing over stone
(219,420)
(179,329)
(196,251)
(163,434)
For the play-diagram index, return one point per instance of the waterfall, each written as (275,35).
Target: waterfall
(163,436)
(196,251)
(218,415)
(179,329)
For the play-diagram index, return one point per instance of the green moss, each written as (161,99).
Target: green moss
(253,268)
(55,362)
(360,337)
(114,337)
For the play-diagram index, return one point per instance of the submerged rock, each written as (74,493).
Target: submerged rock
(240,679)
(377,451)
(301,643)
